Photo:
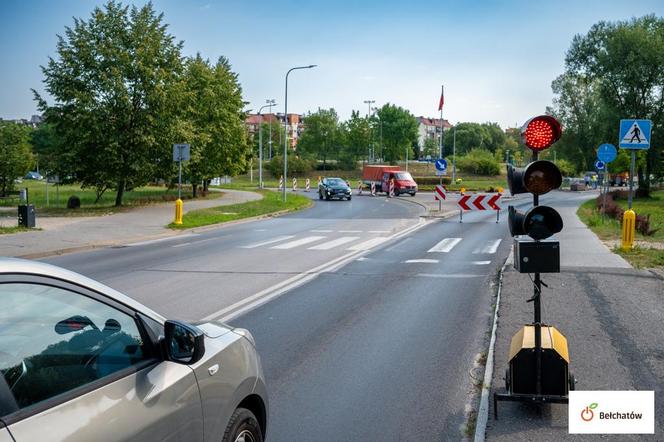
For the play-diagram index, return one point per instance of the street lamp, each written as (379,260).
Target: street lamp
(286,126)
(260,144)
(369,103)
(271,103)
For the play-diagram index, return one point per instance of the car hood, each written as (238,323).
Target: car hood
(338,187)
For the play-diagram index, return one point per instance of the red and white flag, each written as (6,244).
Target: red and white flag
(442,98)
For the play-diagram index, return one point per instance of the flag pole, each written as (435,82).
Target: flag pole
(442,100)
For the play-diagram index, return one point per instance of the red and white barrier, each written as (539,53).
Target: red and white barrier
(359,187)
(479,202)
(294,184)
(373,189)
(281,182)
(307,185)
(391,192)
(440,193)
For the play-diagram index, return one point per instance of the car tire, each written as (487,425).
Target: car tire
(349,198)
(243,427)
(413,194)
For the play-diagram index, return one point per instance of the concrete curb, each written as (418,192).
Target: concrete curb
(483,411)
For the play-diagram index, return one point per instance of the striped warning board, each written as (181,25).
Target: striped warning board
(479,202)
(440,193)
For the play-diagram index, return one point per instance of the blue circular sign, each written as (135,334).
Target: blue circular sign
(441,164)
(599,165)
(607,152)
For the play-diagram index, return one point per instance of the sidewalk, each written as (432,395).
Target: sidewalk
(60,234)
(612,317)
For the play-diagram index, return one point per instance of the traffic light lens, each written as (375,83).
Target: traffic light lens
(541,132)
(541,177)
(541,222)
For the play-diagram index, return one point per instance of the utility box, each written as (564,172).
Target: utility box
(532,256)
(522,373)
(26,215)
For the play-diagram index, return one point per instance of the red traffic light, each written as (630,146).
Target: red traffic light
(541,132)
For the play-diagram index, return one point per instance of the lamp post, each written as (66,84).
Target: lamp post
(271,103)
(369,103)
(286,126)
(260,145)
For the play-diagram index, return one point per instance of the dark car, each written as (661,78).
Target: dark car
(334,188)
(33,176)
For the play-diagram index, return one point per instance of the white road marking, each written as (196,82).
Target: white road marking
(366,245)
(350,231)
(481,263)
(298,242)
(334,243)
(247,304)
(446,245)
(423,261)
(379,231)
(489,248)
(321,231)
(270,241)
(154,241)
(450,276)
(362,259)
(260,230)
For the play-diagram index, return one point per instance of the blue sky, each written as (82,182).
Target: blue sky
(496,59)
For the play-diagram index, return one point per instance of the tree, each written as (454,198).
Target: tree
(431,148)
(623,62)
(114,83)
(15,154)
(322,137)
(357,138)
(212,120)
(399,131)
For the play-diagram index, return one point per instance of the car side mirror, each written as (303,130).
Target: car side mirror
(185,343)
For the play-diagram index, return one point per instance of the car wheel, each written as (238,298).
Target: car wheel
(349,198)
(243,427)
(412,194)
(327,197)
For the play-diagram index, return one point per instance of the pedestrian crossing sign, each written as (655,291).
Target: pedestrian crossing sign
(635,134)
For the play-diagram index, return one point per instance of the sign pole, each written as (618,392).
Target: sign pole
(180,175)
(631,179)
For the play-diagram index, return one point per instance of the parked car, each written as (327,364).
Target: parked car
(32,175)
(80,362)
(334,188)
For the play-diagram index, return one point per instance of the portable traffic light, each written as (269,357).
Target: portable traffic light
(538,361)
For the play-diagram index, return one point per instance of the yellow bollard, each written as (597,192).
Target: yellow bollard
(178,211)
(628,225)
(462,190)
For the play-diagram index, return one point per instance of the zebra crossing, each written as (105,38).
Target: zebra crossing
(322,242)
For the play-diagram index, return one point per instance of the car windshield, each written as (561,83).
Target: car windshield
(336,182)
(403,176)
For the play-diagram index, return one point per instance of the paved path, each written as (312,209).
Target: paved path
(76,233)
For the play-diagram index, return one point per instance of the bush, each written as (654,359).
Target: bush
(642,222)
(296,166)
(479,162)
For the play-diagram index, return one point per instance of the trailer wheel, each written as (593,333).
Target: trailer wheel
(507,379)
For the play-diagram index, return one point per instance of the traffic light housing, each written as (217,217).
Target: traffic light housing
(540,132)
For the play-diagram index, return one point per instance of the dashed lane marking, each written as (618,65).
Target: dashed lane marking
(298,242)
(270,241)
(445,246)
(334,243)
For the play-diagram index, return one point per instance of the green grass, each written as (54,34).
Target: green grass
(643,255)
(56,205)
(271,203)
(16,229)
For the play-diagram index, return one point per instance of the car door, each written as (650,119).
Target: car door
(4,434)
(81,367)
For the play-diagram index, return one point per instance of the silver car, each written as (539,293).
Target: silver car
(82,362)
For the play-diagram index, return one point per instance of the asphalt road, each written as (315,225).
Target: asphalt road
(368,319)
